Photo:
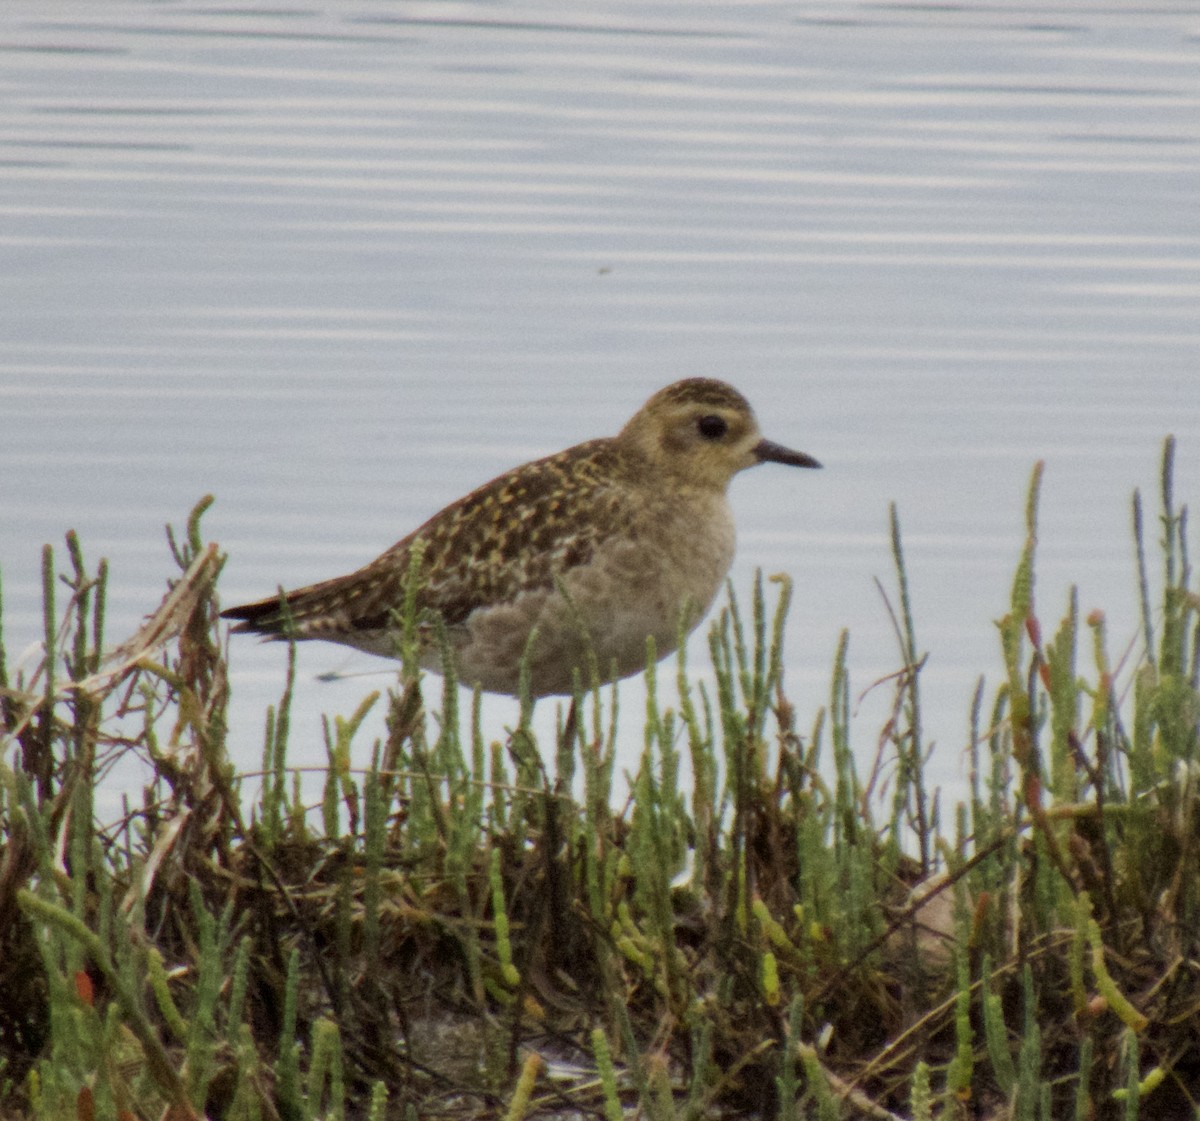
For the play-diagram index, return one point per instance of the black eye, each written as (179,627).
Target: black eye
(712,427)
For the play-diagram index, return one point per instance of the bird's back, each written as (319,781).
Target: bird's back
(519,534)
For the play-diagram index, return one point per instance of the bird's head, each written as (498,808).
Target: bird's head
(703,432)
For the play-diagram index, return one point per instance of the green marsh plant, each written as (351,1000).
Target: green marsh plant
(465,924)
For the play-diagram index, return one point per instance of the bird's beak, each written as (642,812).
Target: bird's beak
(769,451)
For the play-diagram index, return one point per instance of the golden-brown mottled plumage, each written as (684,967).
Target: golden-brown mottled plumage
(599,546)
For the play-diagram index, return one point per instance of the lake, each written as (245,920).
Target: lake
(338,265)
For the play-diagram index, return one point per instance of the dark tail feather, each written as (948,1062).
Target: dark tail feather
(333,609)
(270,617)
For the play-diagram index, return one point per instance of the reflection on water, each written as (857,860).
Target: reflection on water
(337,267)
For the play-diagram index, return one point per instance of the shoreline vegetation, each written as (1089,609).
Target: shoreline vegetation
(469,927)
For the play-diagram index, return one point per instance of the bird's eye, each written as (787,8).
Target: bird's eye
(712,427)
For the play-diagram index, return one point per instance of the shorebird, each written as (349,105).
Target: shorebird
(585,553)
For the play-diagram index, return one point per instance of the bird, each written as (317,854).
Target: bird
(585,554)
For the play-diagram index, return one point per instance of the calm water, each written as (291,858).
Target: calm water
(337,267)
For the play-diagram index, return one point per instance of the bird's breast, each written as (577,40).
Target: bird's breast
(657,572)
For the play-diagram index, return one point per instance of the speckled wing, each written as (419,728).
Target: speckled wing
(520,532)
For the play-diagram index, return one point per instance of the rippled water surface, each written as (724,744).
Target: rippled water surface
(337,266)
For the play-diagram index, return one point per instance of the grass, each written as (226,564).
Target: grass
(468,927)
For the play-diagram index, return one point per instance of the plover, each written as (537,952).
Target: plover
(590,551)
